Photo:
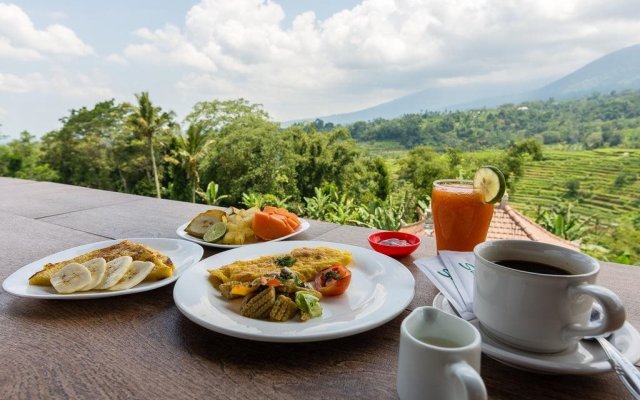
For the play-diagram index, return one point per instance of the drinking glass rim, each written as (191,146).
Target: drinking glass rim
(446,182)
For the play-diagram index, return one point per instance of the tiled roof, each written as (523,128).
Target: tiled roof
(507,223)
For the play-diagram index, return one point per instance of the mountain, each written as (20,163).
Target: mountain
(619,70)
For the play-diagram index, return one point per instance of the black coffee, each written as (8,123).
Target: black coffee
(531,266)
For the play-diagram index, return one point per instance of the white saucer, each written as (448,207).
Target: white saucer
(585,359)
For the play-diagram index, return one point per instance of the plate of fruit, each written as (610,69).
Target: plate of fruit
(234,227)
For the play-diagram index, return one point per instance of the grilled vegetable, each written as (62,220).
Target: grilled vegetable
(259,305)
(284,309)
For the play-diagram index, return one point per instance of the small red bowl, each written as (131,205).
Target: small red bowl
(394,251)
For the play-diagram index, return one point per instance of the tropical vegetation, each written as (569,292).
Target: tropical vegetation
(375,174)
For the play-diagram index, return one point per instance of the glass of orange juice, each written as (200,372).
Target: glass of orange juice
(461,217)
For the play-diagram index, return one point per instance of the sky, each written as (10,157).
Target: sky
(297,58)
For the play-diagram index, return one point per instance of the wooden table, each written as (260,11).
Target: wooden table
(141,347)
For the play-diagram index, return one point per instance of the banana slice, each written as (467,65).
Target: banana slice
(97,267)
(199,225)
(136,274)
(116,269)
(71,278)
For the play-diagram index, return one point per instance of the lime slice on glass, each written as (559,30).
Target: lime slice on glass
(491,184)
(215,232)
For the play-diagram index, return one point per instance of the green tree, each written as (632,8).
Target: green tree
(149,121)
(421,167)
(251,156)
(329,158)
(573,188)
(382,179)
(82,151)
(191,148)
(215,115)
(22,158)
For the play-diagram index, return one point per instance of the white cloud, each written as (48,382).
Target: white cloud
(117,59)
(21,40)
(64,84)
(8,51)
(167,46)
(379,49)
(12,83)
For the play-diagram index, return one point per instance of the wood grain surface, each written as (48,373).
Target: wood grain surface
(141,347)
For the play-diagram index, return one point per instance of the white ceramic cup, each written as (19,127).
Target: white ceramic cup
(431,369)
(539,312)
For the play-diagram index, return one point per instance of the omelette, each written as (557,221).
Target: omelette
(163,266)
(305,261)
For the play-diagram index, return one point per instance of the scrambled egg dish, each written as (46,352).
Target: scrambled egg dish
(304,261)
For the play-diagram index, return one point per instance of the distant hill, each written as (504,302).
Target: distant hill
(618,71)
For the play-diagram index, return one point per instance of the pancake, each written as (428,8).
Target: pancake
(308,262)
(163,266)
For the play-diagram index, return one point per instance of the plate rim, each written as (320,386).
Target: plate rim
(312,337)
(540,365)
(179,270)
(304,225)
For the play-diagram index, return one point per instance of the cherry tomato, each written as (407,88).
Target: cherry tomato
(333,281)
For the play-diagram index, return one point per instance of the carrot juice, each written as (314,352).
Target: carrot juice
(460,217)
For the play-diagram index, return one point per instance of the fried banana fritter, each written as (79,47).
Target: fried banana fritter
(163,266)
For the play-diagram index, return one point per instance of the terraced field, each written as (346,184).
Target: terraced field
(608,179)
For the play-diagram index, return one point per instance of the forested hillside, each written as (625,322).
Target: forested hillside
(591,122)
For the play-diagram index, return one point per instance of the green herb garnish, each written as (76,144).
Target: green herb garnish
(286,274)
(332,275)
(285,261)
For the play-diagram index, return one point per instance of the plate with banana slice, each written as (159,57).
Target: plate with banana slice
(232,228)
(105,269)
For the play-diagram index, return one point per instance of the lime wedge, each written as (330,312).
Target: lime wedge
(491,184)
(215,232)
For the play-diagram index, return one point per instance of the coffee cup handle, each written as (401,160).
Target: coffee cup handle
(471,380)
(613,314)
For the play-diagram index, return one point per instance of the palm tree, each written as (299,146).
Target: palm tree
(191,147)
(147,121)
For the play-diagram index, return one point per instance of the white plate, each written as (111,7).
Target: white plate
(183,254)
(586,358)
(380,289)
(304,225)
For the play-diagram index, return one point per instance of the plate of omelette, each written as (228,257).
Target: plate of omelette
(380,289)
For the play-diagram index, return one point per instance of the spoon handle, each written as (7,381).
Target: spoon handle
(627,372)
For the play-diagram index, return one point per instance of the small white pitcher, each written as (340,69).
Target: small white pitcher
(439,357)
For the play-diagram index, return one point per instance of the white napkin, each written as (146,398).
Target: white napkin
(445,275)
(461,266)
(452,272)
